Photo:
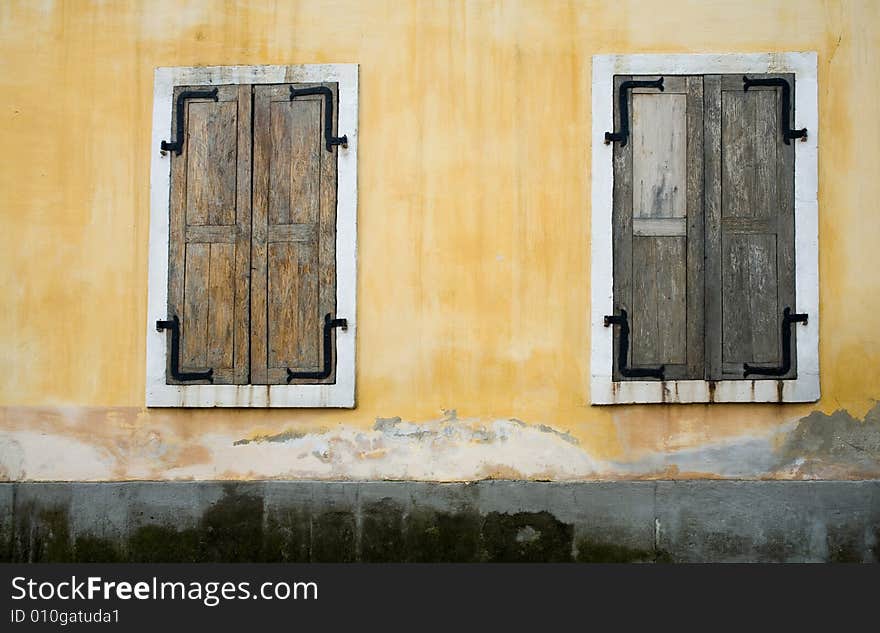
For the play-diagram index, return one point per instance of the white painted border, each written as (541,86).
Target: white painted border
(341,394)
(806,212)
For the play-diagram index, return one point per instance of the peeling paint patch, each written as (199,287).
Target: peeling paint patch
(441,450)
(836,446)
(31,455)
(284,436)
(818,446)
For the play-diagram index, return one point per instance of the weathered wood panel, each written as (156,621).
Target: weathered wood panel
(658,228)
(659,301)
(622,221)
(306,125)
(294,271)
(211,147)
(659,137)
(221,302)
(749,296)
(696,360)
(292,233)
(194,323)
(243,219)
(209,248)
(750,246)
(712,200)
(293,305)
(212,234)
(262,152)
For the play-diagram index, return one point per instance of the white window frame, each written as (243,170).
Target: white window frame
(603,390)
(340,394)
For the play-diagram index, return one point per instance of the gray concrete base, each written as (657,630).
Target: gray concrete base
(304,521)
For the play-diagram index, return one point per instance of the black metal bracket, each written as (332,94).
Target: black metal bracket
(177,145)
(623,351)
(623,96)
(787,319)
(174,326)
(329,324)
(328,113)
(785,107)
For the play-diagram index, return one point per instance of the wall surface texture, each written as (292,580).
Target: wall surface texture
(473,294)
(404,521)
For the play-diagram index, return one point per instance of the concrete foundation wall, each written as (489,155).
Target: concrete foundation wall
(656,521)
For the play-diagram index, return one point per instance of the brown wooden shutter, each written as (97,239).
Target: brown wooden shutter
(210,223)
(750,226)
(294,239)
(658,227)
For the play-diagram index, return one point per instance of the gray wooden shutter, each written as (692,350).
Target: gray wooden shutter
(209,235)
(294,240)
(750,226)
(658,227)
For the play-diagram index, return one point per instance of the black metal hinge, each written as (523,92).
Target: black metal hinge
(177,145)
(328,113)
(787,319)
(784,108)
(623,108)
(329,324)
(623,351)
(174,327)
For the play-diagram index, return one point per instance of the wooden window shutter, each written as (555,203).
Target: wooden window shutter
(658,230)
(210,225)
(750,227)
(294,236)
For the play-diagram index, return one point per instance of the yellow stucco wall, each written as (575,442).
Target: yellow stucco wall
(474,178)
